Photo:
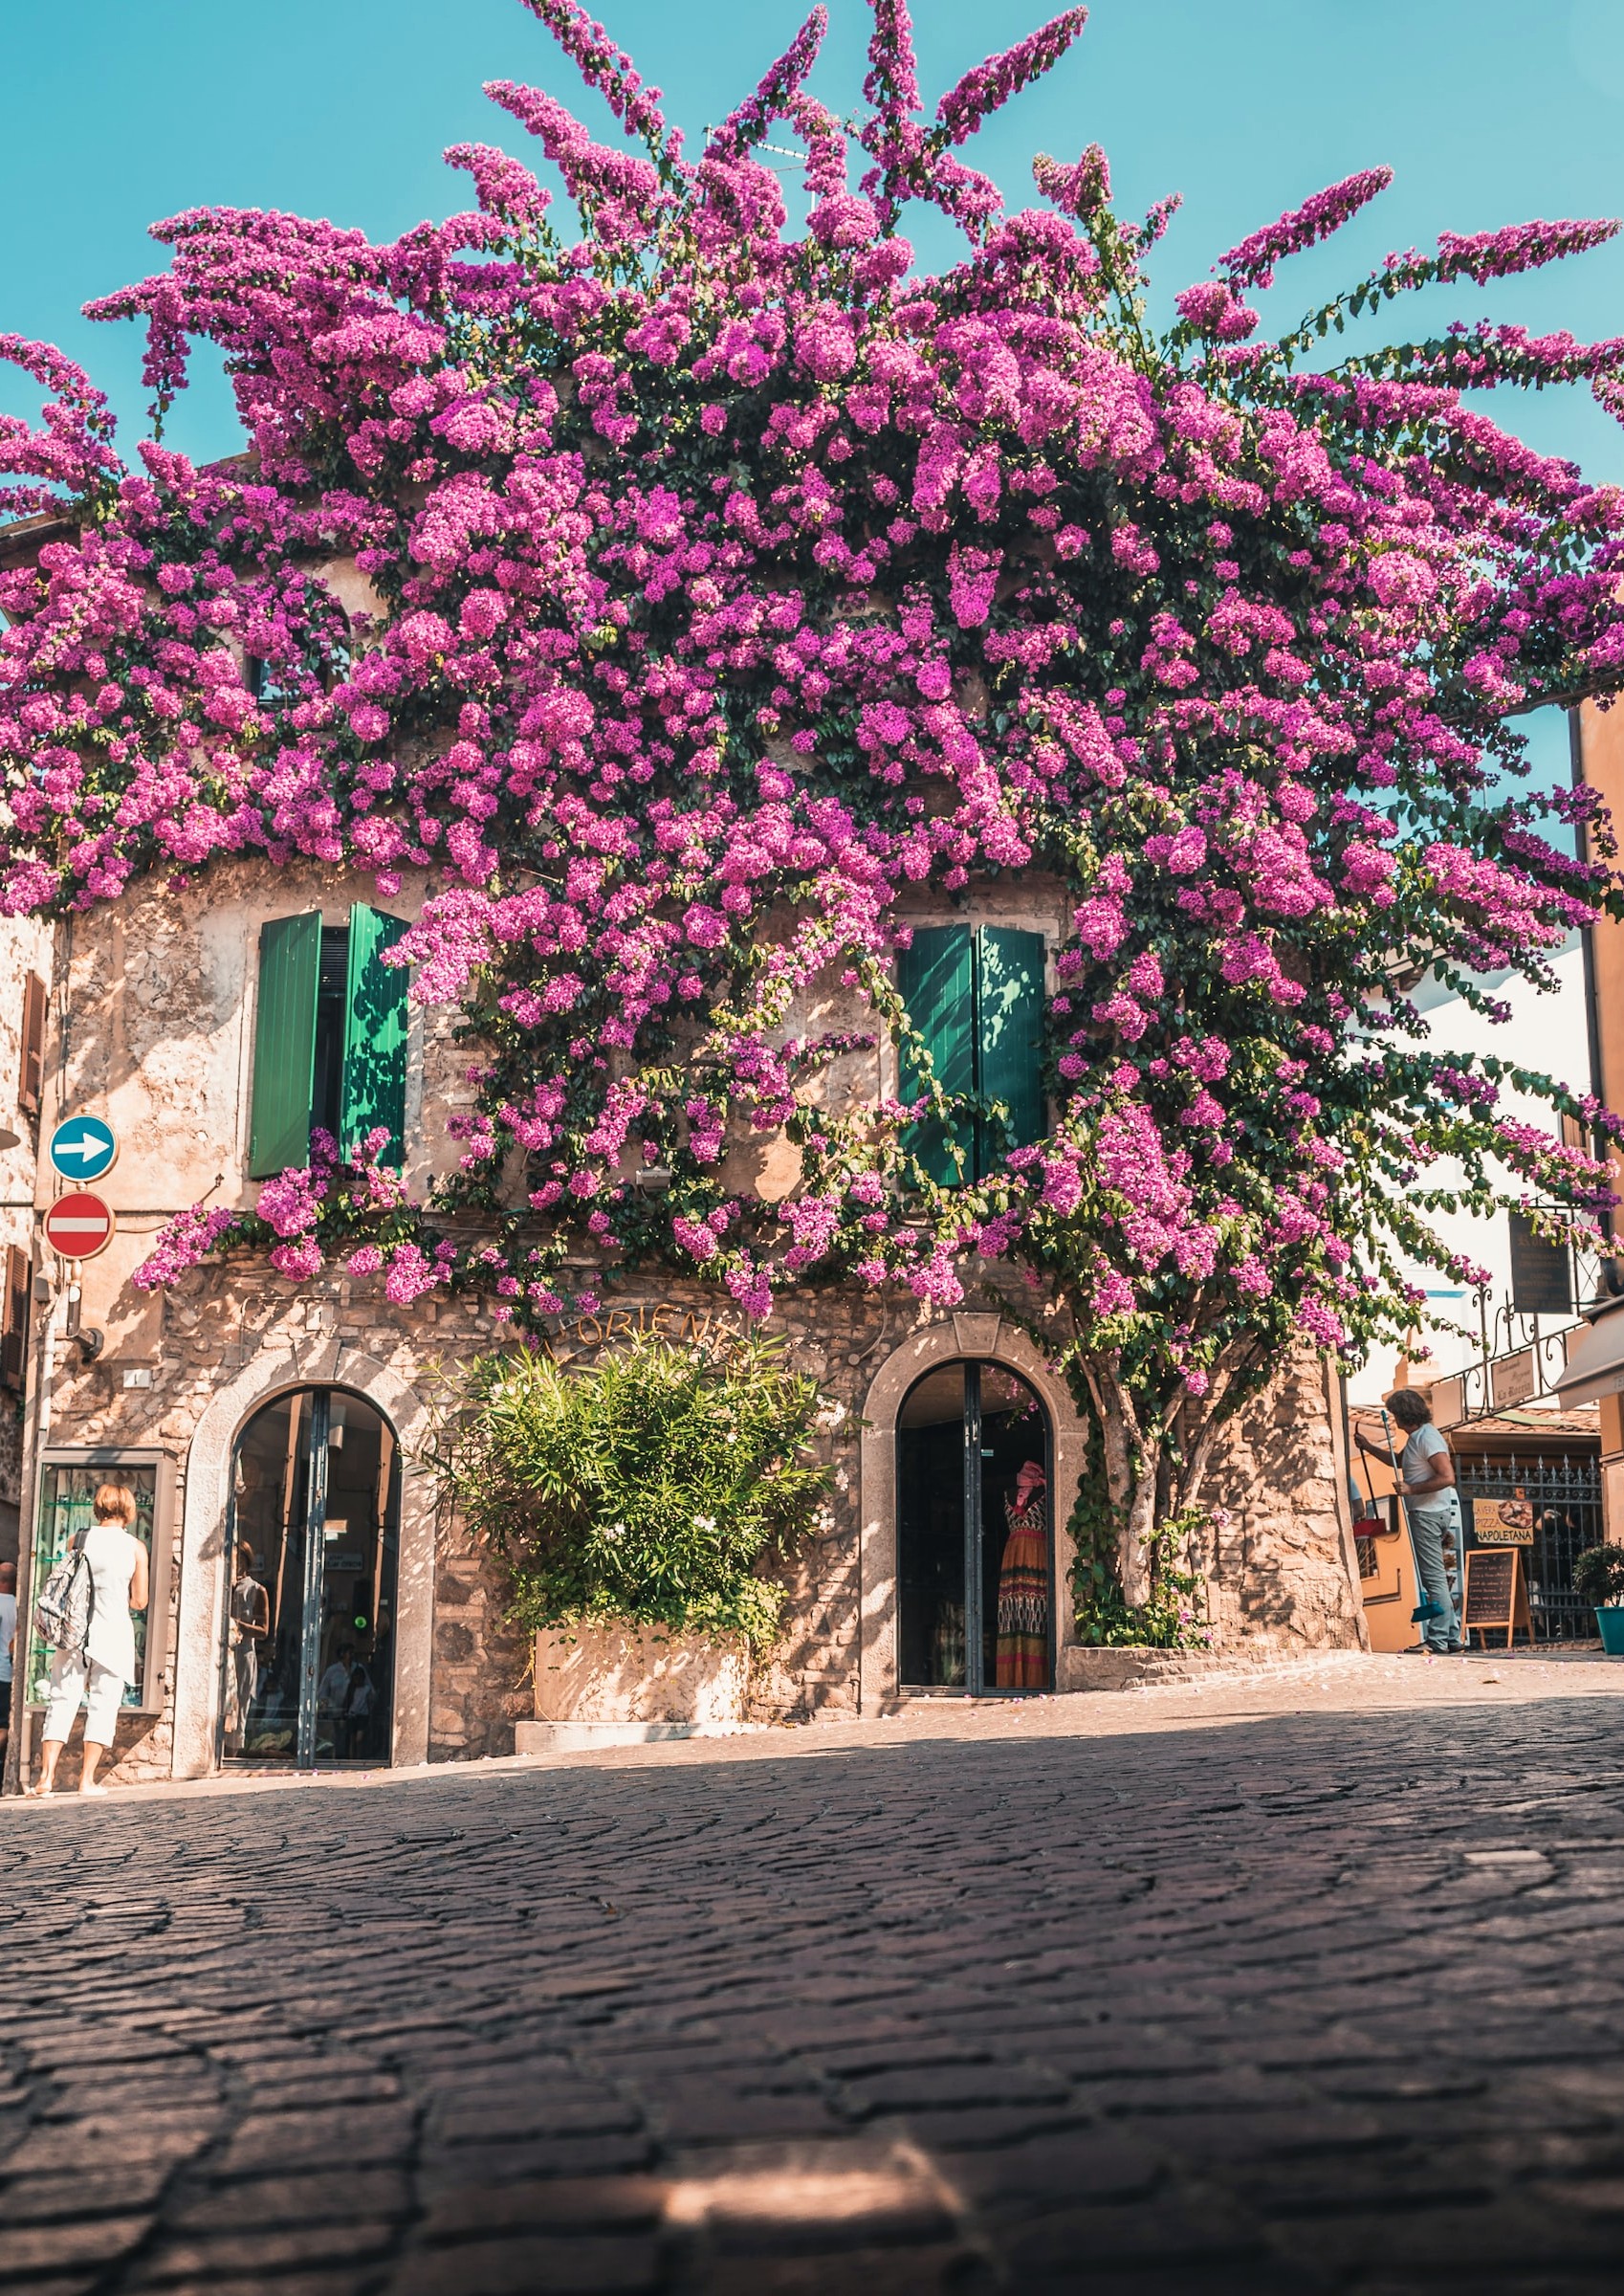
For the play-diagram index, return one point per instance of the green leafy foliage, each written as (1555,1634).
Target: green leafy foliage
(1598,1576)
(648,1488)
(1172,1617)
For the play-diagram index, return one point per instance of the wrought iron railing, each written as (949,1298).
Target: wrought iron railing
(1564,1490)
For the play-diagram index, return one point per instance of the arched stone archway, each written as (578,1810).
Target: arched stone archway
(324,1362)
(988,1340)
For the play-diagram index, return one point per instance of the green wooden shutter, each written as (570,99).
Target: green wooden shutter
(1009,1038)
(284,1043)
(936,977)
(375,1036)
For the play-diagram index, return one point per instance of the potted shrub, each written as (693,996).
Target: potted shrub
(635,1503)
(1598,1577)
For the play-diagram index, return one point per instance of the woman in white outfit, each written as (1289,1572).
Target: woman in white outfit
(99,1673)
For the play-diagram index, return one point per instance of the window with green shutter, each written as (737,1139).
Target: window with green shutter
(1009,1037)
(937,977)
(330,1038)
(975,997)
(375,1036)
(284,1043)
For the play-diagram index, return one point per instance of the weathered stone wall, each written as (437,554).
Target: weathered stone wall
(1281,1567)
(154,1022)
(1282,1574)
(25,947)
(221,1317)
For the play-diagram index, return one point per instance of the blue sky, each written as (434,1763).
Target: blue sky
(1488,112)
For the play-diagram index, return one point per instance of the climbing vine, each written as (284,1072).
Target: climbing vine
(702,595)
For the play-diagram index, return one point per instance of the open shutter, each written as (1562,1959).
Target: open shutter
(1009,1031)
(284,1043)
(14,1319)
(31,1075)
(936,977)
(375,1036)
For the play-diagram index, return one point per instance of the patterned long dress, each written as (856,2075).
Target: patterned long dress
(1023,1599)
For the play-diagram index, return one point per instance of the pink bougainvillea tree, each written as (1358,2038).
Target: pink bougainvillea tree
(735,590)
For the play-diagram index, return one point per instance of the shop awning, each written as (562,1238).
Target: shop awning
(1595,1360)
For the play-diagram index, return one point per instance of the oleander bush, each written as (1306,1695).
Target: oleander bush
(649,1490)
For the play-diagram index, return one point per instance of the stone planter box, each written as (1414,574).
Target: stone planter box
(1081,1667)
(611,1686)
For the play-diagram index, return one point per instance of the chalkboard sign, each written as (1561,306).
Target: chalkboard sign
(1495,1598)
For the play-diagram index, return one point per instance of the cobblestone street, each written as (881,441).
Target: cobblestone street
(1317,1986)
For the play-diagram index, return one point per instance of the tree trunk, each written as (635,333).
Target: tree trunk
(1137,1531)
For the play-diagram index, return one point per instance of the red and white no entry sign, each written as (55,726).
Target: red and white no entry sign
(80,1225)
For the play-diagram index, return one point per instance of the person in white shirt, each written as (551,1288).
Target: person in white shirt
(335,1681)
(98,1674)
(8,1638)
(1433,1505)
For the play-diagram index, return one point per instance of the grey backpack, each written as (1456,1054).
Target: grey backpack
(62,1615)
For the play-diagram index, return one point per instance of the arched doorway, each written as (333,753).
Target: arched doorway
(975,1582)
(312,1567)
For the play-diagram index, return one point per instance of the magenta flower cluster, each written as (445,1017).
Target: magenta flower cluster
(736,592)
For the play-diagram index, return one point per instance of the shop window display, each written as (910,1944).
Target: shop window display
(975,1540)
(66,1488)
(309,1658)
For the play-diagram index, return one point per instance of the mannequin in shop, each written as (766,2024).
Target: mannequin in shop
(1023,1586)
(250,1626)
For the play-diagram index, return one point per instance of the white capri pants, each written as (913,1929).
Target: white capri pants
(75,1677)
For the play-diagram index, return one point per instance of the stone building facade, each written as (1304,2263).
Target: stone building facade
(25,965)
(153,1027)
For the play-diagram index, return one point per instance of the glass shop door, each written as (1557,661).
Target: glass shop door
(314,1564)
(975,1534)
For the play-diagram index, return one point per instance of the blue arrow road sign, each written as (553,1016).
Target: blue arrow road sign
(83,1148)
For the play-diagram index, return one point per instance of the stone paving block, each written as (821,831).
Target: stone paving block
(946,2087)
(521,2157)
(1174,2011)
(471,2211)
(92,2189)
(515,2116)
(524,2266)
(29,2252)
(345,2282)
(330,2197)
(946,2269)
(369,2135)
(269,2253)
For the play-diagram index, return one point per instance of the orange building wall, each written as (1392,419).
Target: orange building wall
(1601,751)
(1602,754)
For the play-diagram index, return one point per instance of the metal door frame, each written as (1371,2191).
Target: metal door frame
(314,1555)
(974,1683)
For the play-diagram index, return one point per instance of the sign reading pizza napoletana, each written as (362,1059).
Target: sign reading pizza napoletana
(1504,1522)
